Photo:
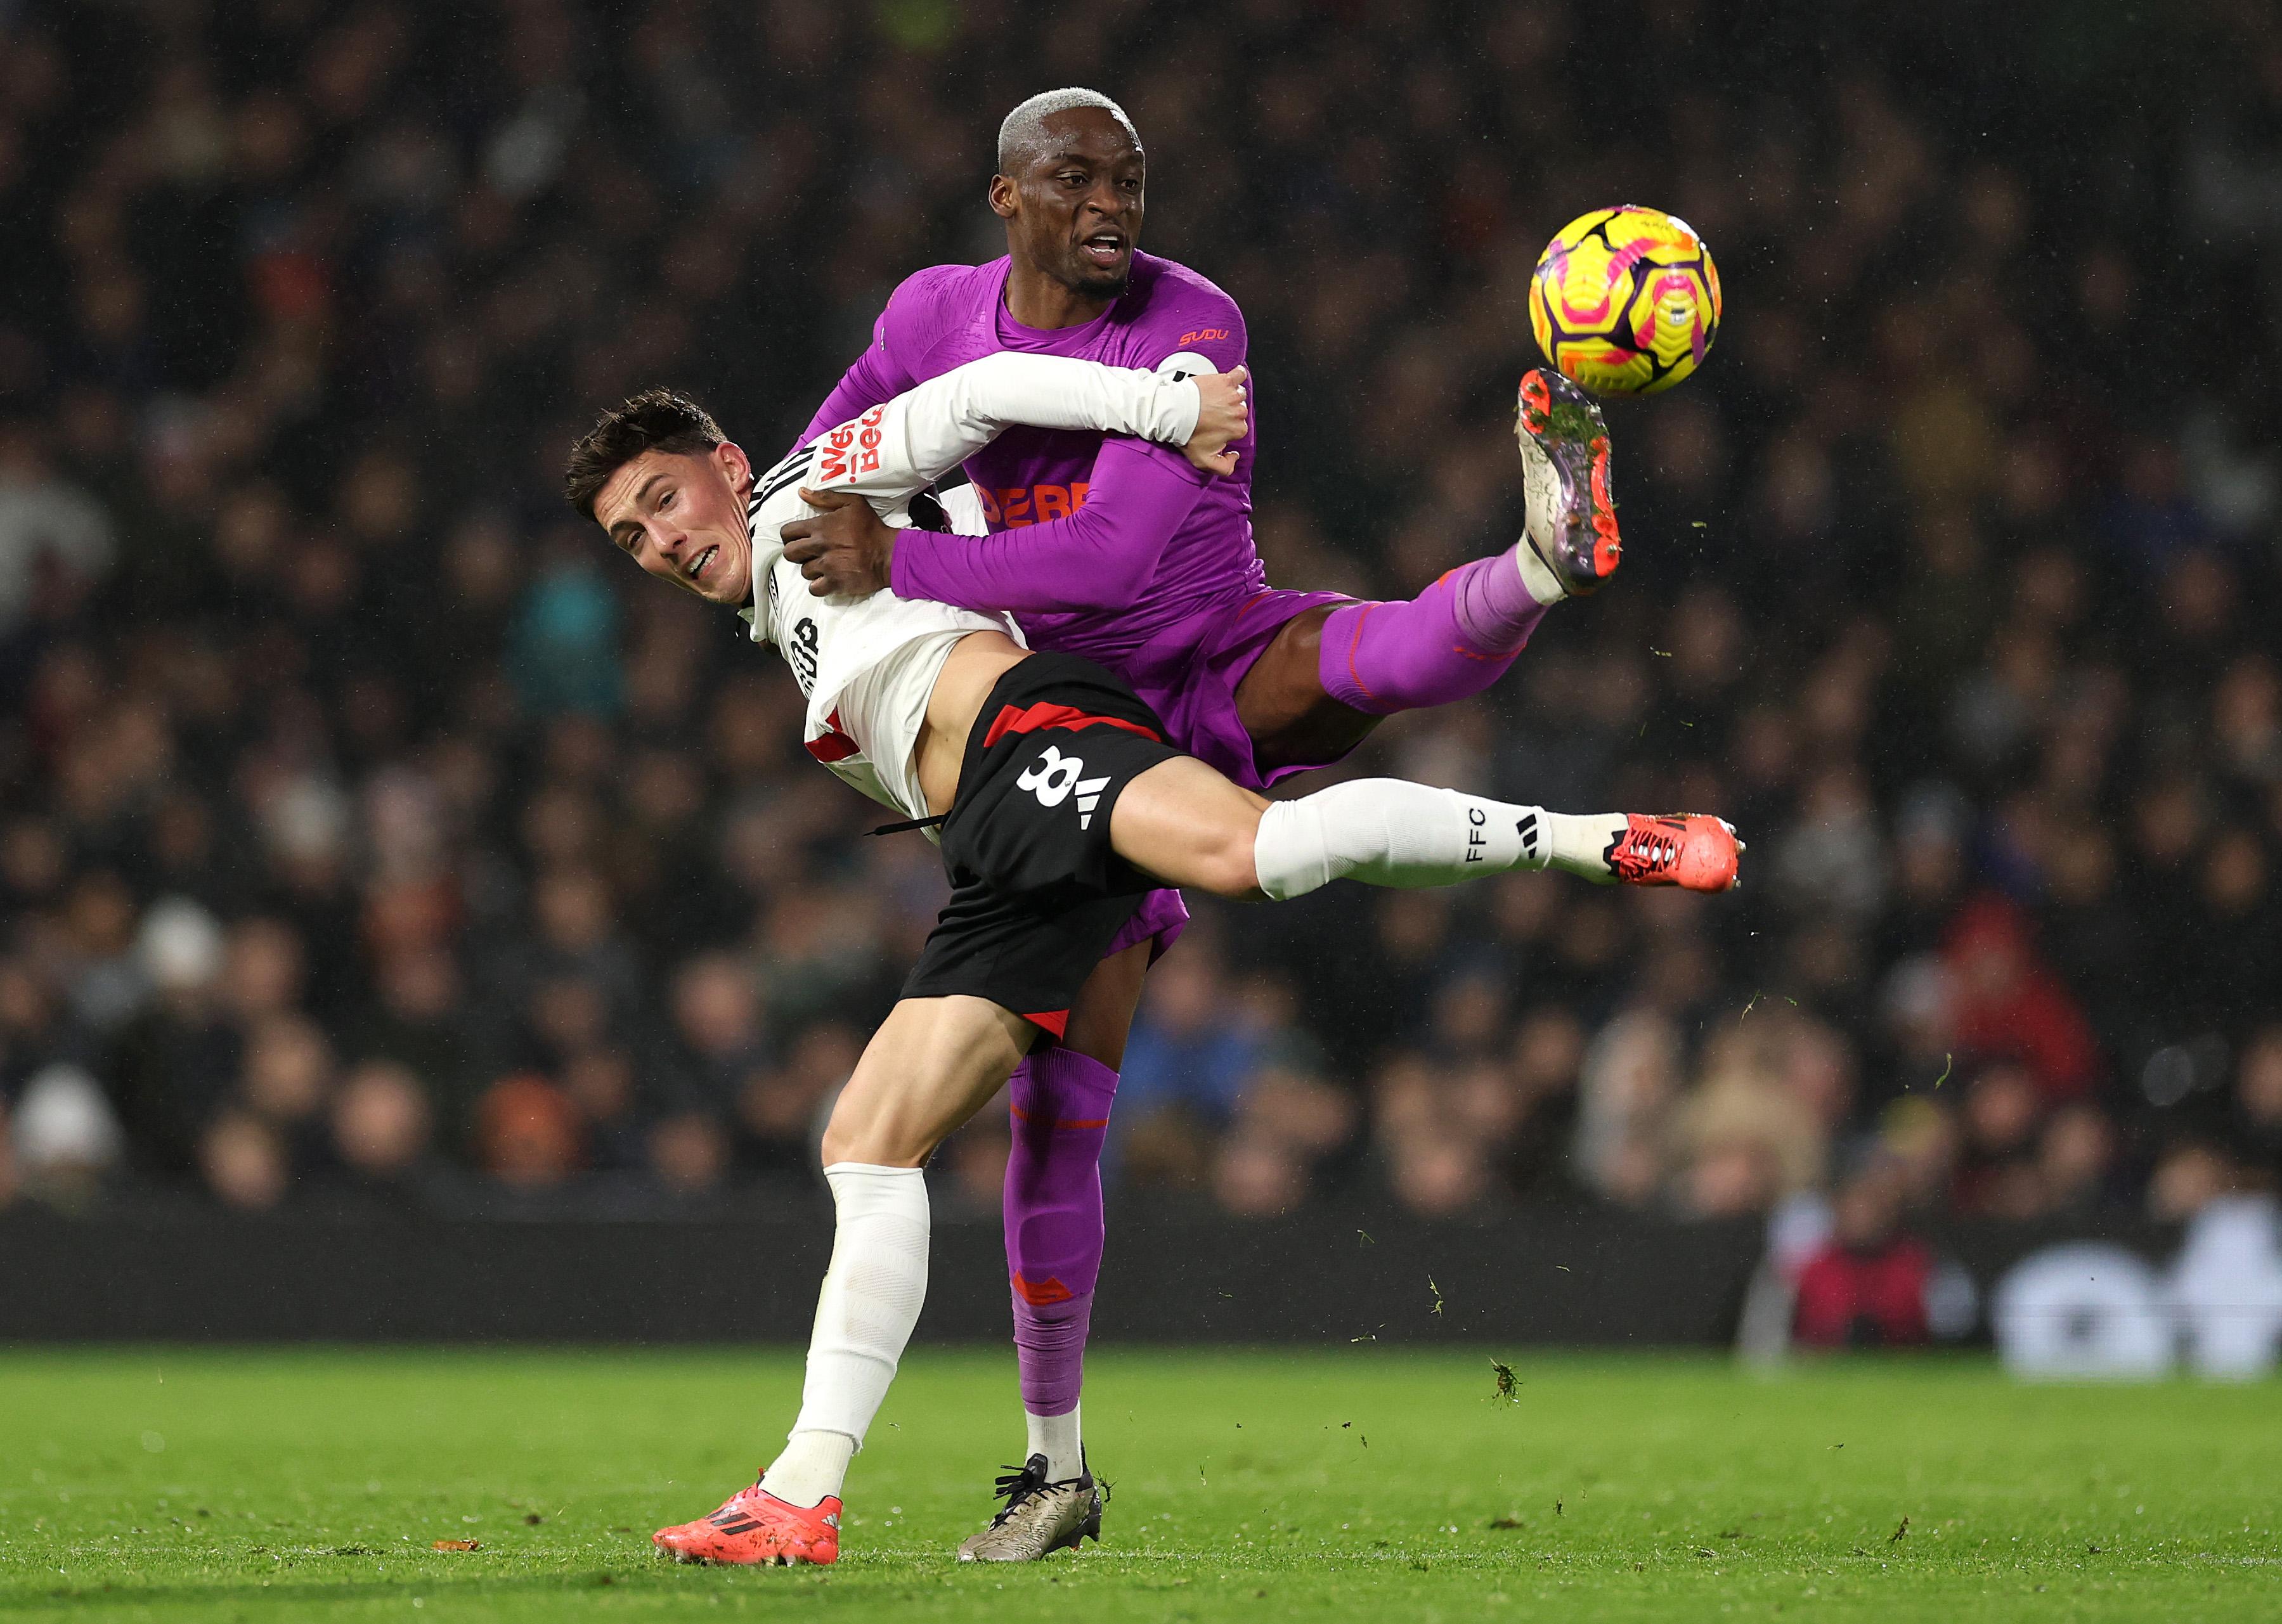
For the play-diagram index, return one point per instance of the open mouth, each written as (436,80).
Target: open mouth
(696,569)
(1103,248)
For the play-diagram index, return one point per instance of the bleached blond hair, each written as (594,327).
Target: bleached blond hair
(1024,128)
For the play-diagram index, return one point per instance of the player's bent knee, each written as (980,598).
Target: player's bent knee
(1214,855)
(860,1131)
(1183,822)
(1234,849)
(874,1146)
(1229,868)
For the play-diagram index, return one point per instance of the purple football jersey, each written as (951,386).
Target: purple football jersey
(1114,549)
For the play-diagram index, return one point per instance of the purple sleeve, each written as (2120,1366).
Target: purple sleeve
(1099,557)
(878,375)
(869,382)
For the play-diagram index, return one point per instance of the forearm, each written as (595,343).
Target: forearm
(1049,391)
(1099,557)
(911,441)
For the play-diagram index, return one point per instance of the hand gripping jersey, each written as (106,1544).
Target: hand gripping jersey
(866,665)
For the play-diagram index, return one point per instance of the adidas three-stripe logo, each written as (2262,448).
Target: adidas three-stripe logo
(1527,830)
(1053,776)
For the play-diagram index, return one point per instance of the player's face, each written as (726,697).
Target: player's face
(1075,212)
(681,516)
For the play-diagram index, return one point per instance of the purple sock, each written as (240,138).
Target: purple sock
(1454,640)
(1054,1226)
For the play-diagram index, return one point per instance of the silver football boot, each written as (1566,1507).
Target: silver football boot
(1571,525)
(1039,1518)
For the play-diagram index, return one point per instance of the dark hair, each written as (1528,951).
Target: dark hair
(655,419)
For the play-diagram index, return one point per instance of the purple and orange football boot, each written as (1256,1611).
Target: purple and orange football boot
(1571,524)
(1691,851)
(754,1529)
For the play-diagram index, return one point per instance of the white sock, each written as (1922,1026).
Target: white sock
(1056,1437)
(810,1465)
(1578,843)
(1543,585)
(1389,831)
(864,1316)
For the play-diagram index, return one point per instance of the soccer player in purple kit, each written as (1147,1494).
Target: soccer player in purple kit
(1121,551)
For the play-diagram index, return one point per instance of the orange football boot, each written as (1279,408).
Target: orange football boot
(753,1527)
(1692,851)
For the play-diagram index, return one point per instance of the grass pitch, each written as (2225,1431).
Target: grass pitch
(173,1485)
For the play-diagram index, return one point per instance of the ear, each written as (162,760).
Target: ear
(1005,196)
(735,467)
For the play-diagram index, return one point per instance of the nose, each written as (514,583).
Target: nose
(1107,198)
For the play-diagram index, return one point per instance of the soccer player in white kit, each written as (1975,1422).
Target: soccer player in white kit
(1060,804)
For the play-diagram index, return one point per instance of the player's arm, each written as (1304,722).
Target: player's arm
(1099,557)
(906,443)
(1104,555)
(897,449)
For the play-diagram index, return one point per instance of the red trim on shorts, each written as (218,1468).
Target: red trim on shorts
(1037,718)
(1056,1021)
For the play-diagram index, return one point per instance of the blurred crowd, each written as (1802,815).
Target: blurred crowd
(371,838)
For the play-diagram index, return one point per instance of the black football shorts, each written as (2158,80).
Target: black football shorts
(1037,895)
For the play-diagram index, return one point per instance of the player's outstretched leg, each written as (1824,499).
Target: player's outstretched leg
(1458,636)
(1385,832)
(1187,825)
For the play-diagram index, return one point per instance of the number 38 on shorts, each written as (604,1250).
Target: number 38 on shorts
(1053,775)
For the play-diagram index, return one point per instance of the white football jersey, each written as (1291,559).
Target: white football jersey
(867,665)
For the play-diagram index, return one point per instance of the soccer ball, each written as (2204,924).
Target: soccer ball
(1626,300)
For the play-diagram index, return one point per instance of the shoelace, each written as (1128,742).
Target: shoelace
(1642,851)
(1021,1484)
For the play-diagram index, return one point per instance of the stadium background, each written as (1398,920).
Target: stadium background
(373,843)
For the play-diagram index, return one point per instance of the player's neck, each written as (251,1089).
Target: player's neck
(1036,300)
